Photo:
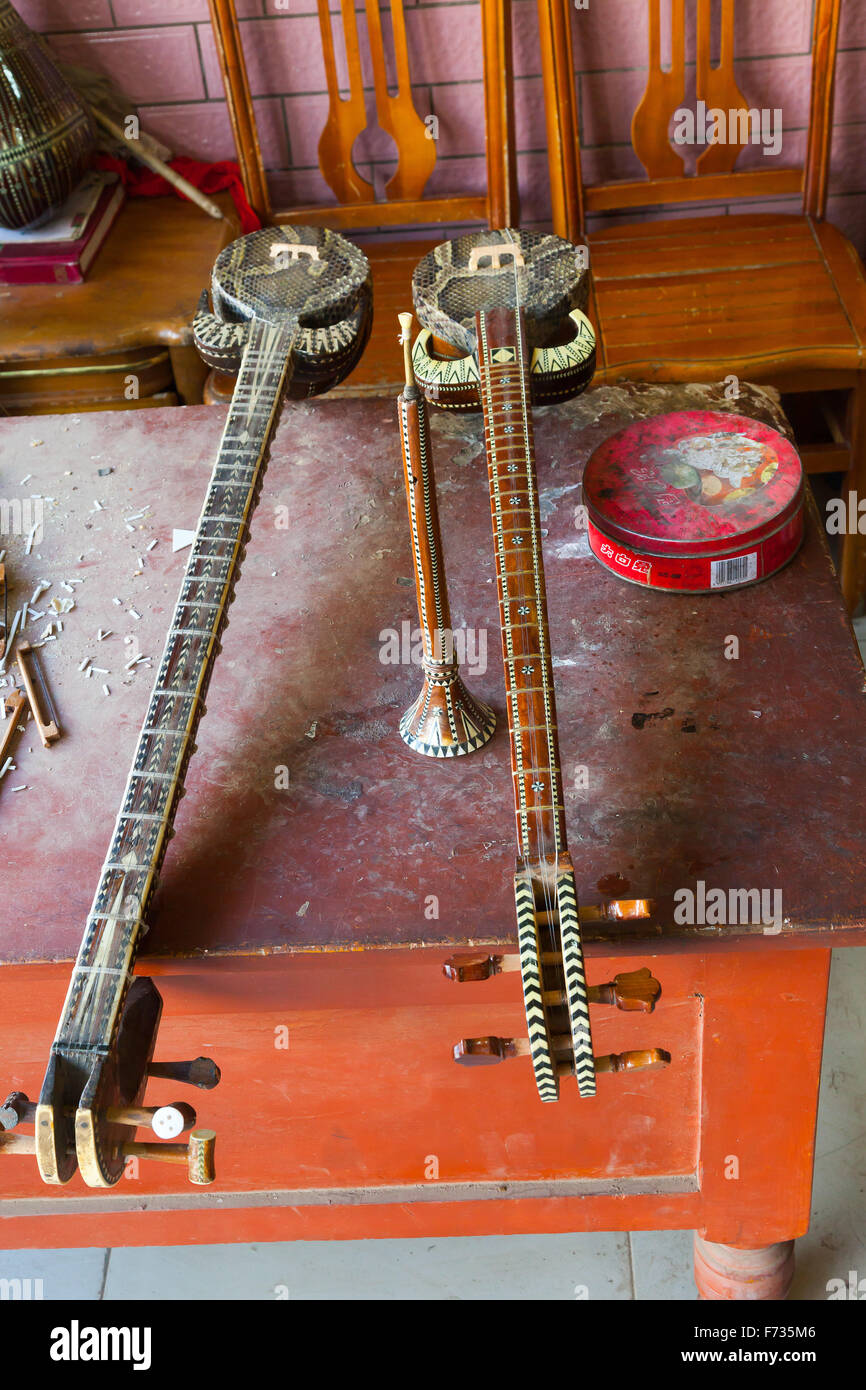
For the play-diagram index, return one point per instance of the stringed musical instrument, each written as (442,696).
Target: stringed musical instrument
(291,314)
(510,303)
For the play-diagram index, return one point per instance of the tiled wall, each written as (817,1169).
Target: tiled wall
(161,53)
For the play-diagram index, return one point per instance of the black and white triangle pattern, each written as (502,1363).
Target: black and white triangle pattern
(478,736)
(530,970)
(575,984)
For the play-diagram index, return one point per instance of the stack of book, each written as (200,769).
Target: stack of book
(61,251)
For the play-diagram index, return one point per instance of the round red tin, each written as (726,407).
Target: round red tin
(694,501)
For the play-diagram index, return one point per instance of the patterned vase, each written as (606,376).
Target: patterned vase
(46,136)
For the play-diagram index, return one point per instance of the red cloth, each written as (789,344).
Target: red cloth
(141,182)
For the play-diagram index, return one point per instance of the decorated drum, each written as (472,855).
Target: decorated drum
(694,501)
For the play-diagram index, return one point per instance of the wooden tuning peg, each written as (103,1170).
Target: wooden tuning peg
(13,1110)
(17,1143)
(488,1050)
(634,990)
(197,1155)
(466,969)
(645,1059)
(201,1072)
(168,1121)
(484,1052)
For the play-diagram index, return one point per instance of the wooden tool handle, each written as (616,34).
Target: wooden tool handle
(159,166)
(12,706)
(48,730)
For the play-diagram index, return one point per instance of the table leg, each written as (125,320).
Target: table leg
(728,1271)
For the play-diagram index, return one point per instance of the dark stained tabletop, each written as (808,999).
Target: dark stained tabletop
(307,823)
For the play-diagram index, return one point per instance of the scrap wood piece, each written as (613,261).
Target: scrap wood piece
(13,704)
(46,718)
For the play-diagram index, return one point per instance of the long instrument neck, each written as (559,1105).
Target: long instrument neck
(503,359)
(118,917)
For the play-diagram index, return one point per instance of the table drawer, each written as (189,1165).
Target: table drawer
(338,1073)
(106,382)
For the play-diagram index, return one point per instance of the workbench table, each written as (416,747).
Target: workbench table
(322,872)
(122,340)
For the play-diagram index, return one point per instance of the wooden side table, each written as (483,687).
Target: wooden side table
(322,872)
(78,347)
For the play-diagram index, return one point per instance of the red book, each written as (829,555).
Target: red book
(61,262)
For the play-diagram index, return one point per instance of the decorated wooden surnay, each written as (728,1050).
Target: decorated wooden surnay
(445,721)
(278,296)
(511,302)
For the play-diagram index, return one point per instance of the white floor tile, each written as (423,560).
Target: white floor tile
(662,1263)
(51,1273)
(558,1267)
(836,1241)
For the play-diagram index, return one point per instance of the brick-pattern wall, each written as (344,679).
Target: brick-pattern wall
(161,54)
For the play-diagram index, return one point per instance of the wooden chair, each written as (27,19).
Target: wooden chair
(357,207)
(771,298)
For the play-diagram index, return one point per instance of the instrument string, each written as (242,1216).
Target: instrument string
(103,970)
(548,891)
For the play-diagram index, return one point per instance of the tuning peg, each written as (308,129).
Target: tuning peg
(634,990)
(644,1059)
(615,910)
(484,1052)
(168,1121)
(197,1155)
(13,1110)
(201,1072)
(489,1050)
(466,969)
(17,1143)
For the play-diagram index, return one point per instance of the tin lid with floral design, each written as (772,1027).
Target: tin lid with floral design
(693,482)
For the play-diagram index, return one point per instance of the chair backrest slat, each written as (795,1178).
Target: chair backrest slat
(717,86)
(404,201)
(663,93)
(716,176)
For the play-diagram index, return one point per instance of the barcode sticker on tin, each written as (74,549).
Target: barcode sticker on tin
(738,570)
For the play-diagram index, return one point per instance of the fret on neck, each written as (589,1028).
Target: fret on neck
(503,357)
(118,917)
